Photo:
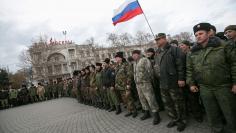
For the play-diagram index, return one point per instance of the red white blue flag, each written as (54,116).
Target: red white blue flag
(128,10)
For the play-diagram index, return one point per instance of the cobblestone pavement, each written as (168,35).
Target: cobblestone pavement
(66,115)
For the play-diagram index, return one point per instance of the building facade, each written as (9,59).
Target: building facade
(55,62)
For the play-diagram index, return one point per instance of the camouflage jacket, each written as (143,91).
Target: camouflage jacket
(92,80)
(214,65)
(143,71)
(121,78)
(98,80)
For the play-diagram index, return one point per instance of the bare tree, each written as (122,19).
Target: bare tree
(113,39)
(142,38)
(183,36)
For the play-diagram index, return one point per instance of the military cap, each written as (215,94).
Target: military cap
(151,50)
(98,64)
(186,42)
(159,36)
(107,60)
(119,54)
(202,26)
(136,52)
(87,67)
(174,42)
(75,73)
(230,27)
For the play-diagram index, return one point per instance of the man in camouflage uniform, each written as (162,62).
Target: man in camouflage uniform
(150,53)
(121,84)
(98,82)
(12,96)
(4,98)
(170,61)
(41,92)
(33,93)
(108,84)
(230,32)
(143,76)
(211,69)
(92,83)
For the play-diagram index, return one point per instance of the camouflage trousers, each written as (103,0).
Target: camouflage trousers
(128,100)
(104,95)
(147,97)
(174,103)
(112,96)
(219,102)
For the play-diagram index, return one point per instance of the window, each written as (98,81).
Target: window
(71,53)
(57,69)
(65,67)
(73,66)
(50,69)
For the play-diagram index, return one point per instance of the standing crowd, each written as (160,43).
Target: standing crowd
(184,79)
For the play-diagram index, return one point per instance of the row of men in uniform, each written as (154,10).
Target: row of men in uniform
(10,97)
(178,79)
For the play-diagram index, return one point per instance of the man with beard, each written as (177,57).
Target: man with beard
(98,82)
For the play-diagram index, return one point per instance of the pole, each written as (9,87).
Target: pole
(146,20)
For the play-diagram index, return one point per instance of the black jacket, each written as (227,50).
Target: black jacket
(171,62)
(108,77)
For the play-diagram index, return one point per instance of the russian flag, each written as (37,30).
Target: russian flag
(127,11)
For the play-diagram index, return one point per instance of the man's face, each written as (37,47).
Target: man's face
(201,36)
(231,34)
(149,54)
(161,42)
(184,47)
(104,65)
(86,71)
(135,56)
(91,69)
(118,59)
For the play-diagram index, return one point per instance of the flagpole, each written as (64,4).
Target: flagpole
(147,20)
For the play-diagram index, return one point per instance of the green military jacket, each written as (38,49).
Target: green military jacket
(92,80)
(33,91)
(12,94)
(98,80)
(214,65)
(121,78)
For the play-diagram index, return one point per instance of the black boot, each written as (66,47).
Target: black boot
(113,108)
(146,115)
(134,114)
(171,124)
(118,109)
(107,107)
(128,114)
(156,119)
(181,126)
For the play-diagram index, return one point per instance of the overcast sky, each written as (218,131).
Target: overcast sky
(23,20)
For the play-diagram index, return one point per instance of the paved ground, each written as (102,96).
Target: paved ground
(65,115)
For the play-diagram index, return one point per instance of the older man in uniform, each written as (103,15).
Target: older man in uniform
(172,80)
